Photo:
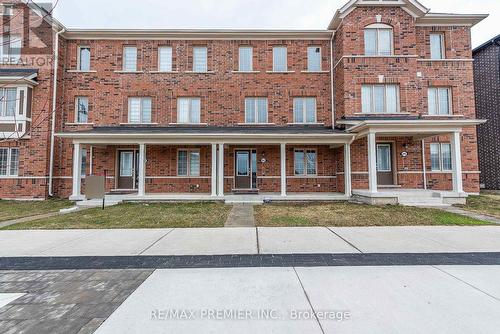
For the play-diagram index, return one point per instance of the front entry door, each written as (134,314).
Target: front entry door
(126,170)
(243,170)
(385,174)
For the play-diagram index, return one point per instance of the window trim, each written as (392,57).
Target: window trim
(305,150)
(442,45)
(7,6)
(304,109)
(206,58)
(320,58)
(77,111)
(141,111)
(171,58)
(251,57)
(79,58)
(124,58)
(3,109)
(372,99)
(440,153)
(438,104)
(9,162)
(286,58)
(188,166)
(189,98)
(377,27)
(256,111)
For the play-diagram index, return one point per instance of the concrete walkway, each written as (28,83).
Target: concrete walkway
(241,215)
(27,219)
(240,240)
(454,209)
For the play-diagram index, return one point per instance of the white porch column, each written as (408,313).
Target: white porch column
(142,170)
(456,158)
(347,170)
(77,172)
(372,162)
(220,188)
(213,186)
(283,169)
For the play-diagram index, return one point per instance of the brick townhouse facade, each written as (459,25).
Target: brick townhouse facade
(380,102)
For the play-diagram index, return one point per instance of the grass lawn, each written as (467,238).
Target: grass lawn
(488,204)
(350,214)
(137,215)
(19,209)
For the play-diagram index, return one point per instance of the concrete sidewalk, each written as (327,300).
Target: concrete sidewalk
(262,240)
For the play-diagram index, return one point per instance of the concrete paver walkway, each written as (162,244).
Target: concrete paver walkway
(241,215)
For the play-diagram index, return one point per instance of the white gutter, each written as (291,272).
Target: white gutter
(54,106)
(332,81)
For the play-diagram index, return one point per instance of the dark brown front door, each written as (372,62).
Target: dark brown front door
(243,170)
(385,174)
(126,170)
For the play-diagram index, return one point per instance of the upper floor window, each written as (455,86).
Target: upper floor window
(188,110)
(83,58)
(130,58)
(280,59)
(165,59)
(304,110)
(439,99)
(305,162)
(245,59)
(437,46)
(380,99)
(188,163)
(8,98)
(256,110)
(10,48)
(7,9)
(139,110)
(441,157)
(200,59)
(82,109)
(314,59)
(9,161)
(378,40)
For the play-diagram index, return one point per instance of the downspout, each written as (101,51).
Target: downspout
(332,80)
(54,106)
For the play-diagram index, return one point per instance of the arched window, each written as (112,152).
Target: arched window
(378,40)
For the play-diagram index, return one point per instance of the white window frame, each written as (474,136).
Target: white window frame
(188,166)
(309,60)
(378,27)
(7,9)
(141,111)
(437,99)
(275,69)
(306,172)
(160,69)
(389,169)
(79,58)
(372,99)
(205,68)
(83,161)
(245,47)
(303,100)
(10,57)
(441,164)
(125,48)
(5,101)
(190,110)
(256,110)
(77,109)
(441,45)
(8,169)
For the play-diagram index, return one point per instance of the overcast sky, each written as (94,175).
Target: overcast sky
(243,14)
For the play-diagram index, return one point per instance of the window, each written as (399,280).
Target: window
(83,58)
(256,110)
(139,110)
(130,58)
(305,162)
(165,59)
(378,40)
(8,99)
(314,59)
(7,9)
(9,161)
(384,158)
(10,48)
(200,59)
(304,110)
(380,99)
(279,59)
(188,110)
(188,163)
(82,109)
(83,159)
(439,100)
(437,46)
(245,59)
(441,157)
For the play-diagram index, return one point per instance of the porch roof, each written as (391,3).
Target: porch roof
(15,75)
